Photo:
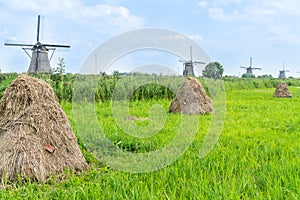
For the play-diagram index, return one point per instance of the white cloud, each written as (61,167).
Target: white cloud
(288,6)
(219,14)
(259,10)
(277,19)
(280,33)
(202,4)
(66,22)
(94,16)
(196,37)
(225,2)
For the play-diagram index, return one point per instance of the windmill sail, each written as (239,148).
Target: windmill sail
(250,68)
(39,60)
(282,72)
(189,65)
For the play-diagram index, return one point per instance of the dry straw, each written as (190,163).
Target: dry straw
(191,98)
(36,139)
(282,91)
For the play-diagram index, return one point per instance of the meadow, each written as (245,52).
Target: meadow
(256,157)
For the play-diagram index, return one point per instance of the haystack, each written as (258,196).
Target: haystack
(191,98)
(282,91)
(36,139)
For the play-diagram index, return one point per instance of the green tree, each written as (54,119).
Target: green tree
(265,76)
(60,69)
(116,75)
(213,70)
(247,75)
(57,76)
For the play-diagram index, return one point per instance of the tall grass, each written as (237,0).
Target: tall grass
(156,87)
(257,156)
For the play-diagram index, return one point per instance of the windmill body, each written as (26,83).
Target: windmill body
(188,69)
(42,59)
(249,70)
(39,59)
(189,65)
(282,72)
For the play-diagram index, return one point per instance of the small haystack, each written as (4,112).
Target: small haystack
(191,98)
(36,139)
(282,91)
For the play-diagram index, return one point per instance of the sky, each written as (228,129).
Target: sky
(229,31)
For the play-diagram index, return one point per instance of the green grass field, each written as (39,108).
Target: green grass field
(257,156)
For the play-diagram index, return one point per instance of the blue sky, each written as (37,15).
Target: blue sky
(230,31)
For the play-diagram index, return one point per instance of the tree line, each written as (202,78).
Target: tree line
(134,86)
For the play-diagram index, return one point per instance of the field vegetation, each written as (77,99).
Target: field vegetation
(257,155)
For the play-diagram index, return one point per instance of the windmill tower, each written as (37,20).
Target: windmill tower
(189,65)
(39,59)
(282,72)
(250,68)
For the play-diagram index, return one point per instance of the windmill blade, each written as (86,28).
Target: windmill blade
(256,68)
(53,49)
(182,60)
(14,44)
(37,60)
(243,67)
(38,29)
(197,62)
(25,50)
(57,45)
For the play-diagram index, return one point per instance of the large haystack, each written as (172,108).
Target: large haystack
(36,139)
(282,91)
(191,98)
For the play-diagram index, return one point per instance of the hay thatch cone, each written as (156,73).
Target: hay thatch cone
(191,98)
(282,91)
(36,139)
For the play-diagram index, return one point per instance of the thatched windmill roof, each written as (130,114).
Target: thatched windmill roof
(282,91)
(36,139)
(191,98)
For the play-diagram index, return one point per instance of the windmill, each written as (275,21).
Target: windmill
(39,60)
(282,72)
(189,65)
(250,68)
